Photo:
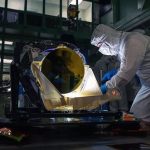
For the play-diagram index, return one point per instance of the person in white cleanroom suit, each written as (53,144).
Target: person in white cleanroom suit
(133,51)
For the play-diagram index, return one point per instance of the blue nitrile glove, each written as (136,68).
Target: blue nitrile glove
(104,88)
(107,76)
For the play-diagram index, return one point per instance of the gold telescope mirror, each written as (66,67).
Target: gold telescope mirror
(64,68)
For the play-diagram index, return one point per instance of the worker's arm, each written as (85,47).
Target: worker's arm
(132,54)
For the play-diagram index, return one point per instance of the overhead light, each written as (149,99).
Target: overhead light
(73,2)
(6,61)
(9,89)
(7,42)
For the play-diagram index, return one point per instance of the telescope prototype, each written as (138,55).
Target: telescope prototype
(65,82)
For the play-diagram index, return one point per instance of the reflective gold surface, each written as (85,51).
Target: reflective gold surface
(64,68)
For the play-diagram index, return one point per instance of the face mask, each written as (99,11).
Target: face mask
(106,49)
(98,40)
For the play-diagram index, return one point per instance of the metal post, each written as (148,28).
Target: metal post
(2,60)
(77,15)
(25,13)
(60,13)
(43,15)
(43,21)
(93,15)
(15,77)
(3,39)
(115,6)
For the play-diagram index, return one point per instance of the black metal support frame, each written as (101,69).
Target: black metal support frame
(14,74)
(14,112)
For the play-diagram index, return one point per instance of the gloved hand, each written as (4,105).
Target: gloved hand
(104,88)
(107,76)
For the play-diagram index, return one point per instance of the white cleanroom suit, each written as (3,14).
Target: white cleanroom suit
(133,51)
